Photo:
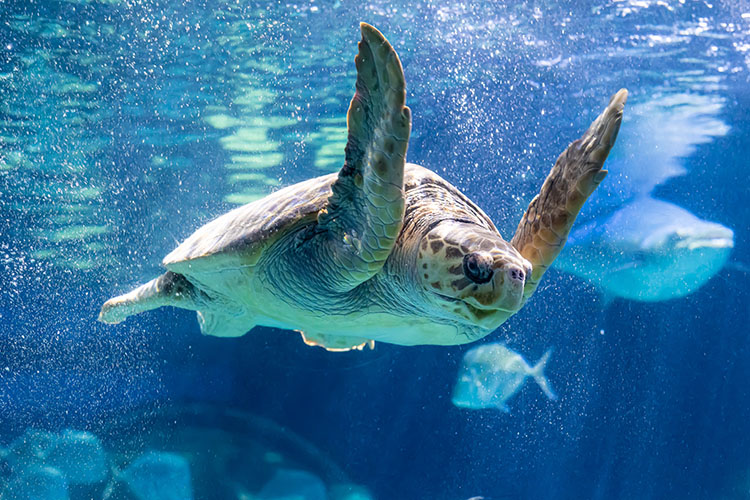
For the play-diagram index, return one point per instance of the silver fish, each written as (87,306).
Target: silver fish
(492,373)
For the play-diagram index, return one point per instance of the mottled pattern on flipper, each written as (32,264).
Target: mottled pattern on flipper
(544,228)
(365,212)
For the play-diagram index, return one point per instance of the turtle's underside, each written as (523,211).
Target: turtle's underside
(384,250)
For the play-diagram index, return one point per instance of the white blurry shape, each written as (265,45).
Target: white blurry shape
(492,373)
(37,483)
(158,475)
(648,250)
(655,137)
(291,484)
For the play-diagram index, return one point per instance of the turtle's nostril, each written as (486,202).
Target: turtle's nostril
(516,274)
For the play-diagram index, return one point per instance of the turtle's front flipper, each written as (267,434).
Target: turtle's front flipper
(169,289)
(544,227)
(364,214)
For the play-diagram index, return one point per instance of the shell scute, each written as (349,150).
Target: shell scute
(238,238)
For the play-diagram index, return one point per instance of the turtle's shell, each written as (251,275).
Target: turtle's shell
(238,238)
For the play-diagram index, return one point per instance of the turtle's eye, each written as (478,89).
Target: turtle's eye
(478,267)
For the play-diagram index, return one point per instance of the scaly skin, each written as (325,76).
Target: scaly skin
(365,212)
(545,226)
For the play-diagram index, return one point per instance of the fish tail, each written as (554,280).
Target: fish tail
(538,373)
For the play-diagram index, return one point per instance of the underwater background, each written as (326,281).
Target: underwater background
(126,124)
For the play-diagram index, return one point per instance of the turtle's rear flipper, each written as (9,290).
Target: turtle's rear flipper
(336,343)
(225,324)
(169,289)
(544,227)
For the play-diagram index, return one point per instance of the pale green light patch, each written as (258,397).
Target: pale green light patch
(250,134)
(255,99)
(79,264)
(249,147)
(249,140)
(75,209)
(175,162)
(327,163)
(96,247)
(243,162)
(253,177)
(85,193)
(92,59)
(264,66)
(18,123)
(78,232)
(75,87)
(66,219)
(72,260)
(332,133)
(270,121)
(222,121)
(16,159)
(75,103)
(332,149)
(333,121)
(213,108)
(46,254)
(330,154)
(158,160)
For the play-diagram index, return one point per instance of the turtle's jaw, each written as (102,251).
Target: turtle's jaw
(489,310)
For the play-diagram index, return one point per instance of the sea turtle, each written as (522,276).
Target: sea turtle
(383,250)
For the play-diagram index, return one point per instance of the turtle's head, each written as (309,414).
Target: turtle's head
(471,273)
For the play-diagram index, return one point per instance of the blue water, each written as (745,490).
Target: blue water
(125,125)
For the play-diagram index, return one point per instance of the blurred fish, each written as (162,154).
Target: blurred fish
(37,483)
(158,475)
(648,250)
(78,455)
(491,374)
(28,449)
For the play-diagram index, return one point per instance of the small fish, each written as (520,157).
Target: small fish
(158,475)
(492,373)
